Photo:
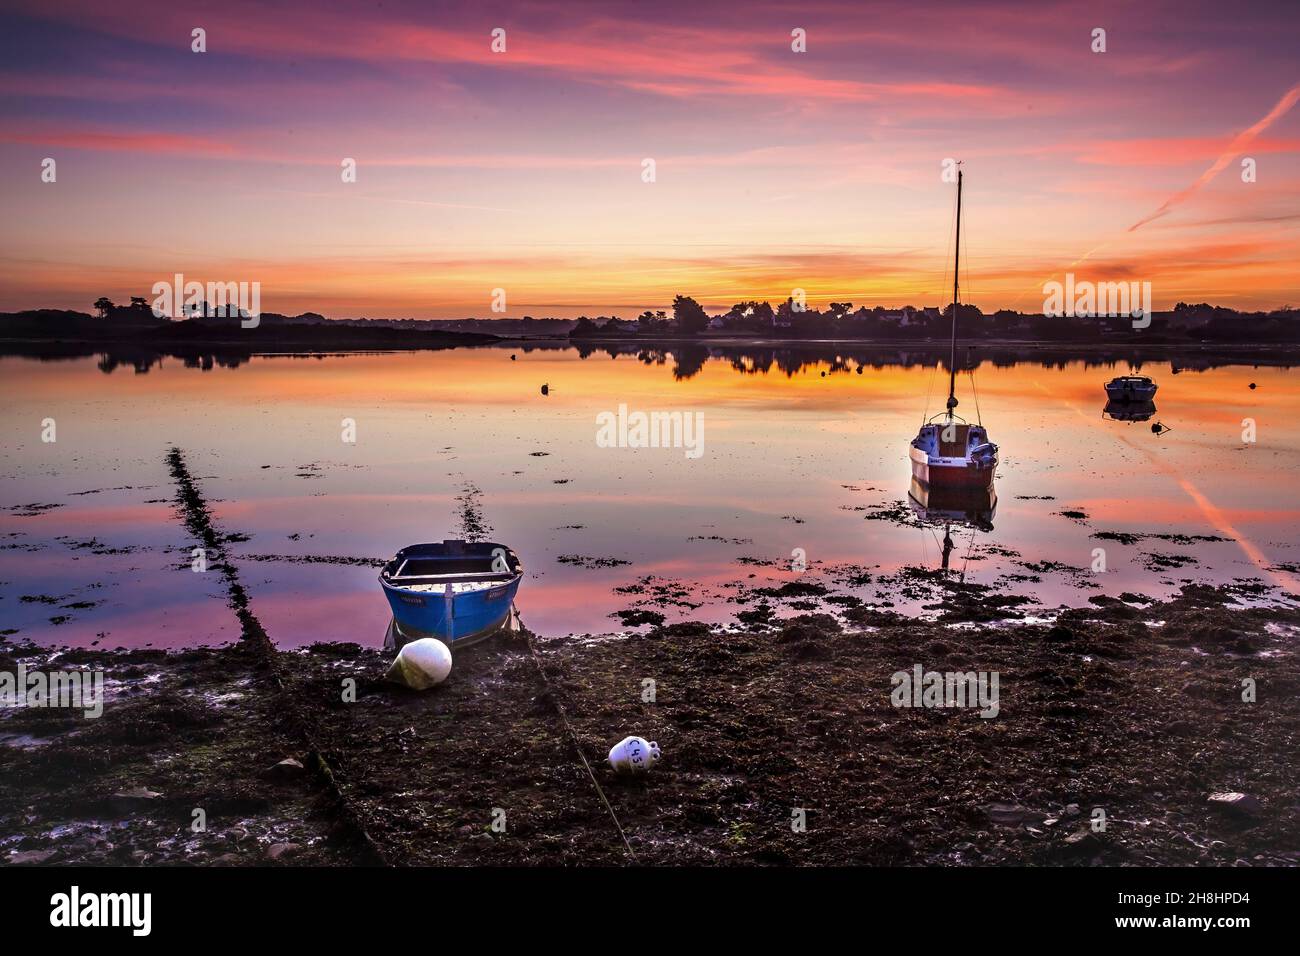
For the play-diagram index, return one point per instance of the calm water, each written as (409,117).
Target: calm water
(792,459)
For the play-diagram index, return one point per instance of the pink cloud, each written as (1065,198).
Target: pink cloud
(1171,151)
(671,61)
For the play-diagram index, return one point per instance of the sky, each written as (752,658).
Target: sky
(524,170)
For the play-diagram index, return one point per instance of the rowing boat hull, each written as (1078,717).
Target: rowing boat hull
(397,636)
(453,590)
(451,618)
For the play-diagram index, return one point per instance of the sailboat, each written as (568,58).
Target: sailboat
(949,453)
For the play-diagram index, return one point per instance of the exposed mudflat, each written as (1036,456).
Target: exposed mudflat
(1131,706)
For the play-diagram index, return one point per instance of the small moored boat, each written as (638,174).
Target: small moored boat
(457,591)
(1131,388)
(953,456)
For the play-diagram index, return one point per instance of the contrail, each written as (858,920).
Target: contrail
(1213,516)
(1239,142)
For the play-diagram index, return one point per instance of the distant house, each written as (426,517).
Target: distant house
(780,321)
(1194,317)
(909,317)
(620,326)
(717,322)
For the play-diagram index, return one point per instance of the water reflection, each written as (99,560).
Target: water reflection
(803,451)
(686,360)
(973,507)
(1129,411)
(952,507)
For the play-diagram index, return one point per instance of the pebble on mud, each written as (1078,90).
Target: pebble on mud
(1239,803)
(128,800)
(277,850)
(286,768)
(29,857)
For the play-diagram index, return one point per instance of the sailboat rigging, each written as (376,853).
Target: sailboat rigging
(952,454)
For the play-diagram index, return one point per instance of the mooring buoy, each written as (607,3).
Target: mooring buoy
(421,664)
(634,755)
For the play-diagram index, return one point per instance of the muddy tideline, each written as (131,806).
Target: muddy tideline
(1135,707)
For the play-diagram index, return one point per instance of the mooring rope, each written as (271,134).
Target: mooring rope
(573,737)
(199,521)
(970,548)
(929,390)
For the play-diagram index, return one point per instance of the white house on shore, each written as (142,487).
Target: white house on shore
(908,317)
(900,317)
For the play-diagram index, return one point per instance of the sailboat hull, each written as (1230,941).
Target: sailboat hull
(948,473)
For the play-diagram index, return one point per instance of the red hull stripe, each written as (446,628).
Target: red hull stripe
(950,477)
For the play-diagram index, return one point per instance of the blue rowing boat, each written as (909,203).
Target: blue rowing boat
(457,591)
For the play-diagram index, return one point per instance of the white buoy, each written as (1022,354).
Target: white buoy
(421,664)
(634,755)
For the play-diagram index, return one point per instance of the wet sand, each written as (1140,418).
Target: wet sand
(1135,708)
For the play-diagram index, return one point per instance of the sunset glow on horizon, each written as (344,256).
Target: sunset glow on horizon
(522,170)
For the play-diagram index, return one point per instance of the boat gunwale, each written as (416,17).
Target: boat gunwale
(455,576)
(435,550)
(493,578)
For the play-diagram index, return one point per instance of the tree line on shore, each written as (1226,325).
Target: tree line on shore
(842,320)
(749,318)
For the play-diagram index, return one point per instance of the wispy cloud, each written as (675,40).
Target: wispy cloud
(1239,143)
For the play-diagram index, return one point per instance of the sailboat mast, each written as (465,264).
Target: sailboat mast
(952,357)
